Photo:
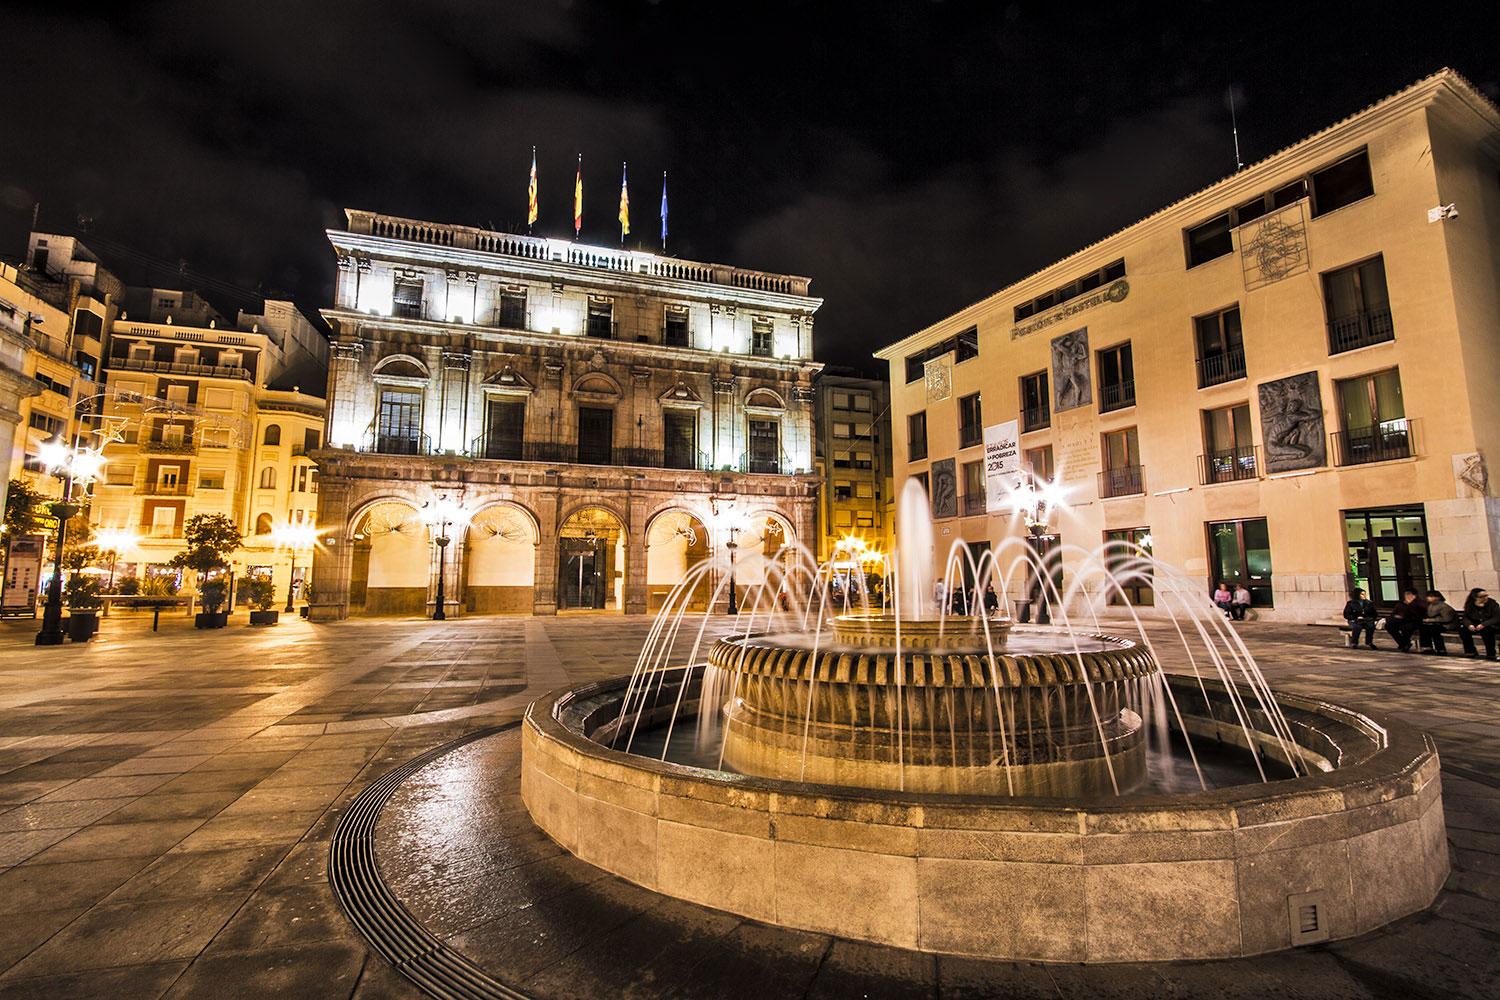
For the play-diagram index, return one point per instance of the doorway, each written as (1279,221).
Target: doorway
(1388,552)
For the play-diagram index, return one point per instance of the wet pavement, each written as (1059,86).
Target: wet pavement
(167,803)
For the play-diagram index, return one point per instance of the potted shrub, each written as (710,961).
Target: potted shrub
(261,594)
(83,607)
(211,595)
(210,539)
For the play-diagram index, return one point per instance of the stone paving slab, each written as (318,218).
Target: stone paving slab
(167,800)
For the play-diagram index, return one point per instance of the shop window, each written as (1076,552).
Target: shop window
(1127,556)
(1240,552)
(1388,552)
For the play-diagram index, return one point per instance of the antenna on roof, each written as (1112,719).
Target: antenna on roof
(1234,126)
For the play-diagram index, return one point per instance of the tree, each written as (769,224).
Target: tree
(210,538)
(24,507)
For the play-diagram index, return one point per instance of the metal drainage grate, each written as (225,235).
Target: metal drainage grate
(375,911)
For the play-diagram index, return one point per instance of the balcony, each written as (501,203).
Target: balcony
(972,504)
(1225,366)
(174,368)
(1126,481)
(164,490)
(969,435)
(1366,327)
(1385,442)
(169,446)
(1036,418)
(1229,466)
(1116,395)
(509,449)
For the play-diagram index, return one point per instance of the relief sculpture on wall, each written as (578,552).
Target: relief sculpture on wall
(1291,423)
(1070,371)
(944,488)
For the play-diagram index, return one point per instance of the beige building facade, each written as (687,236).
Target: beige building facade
(855,508)
(543,425)
(1286,380)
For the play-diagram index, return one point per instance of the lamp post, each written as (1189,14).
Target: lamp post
(731,545)
(294,537)
(75,464)
(442,512)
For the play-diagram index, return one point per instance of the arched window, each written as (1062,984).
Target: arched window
(268,478)
(273,434)
(263,523)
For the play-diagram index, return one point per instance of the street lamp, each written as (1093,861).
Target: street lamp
(293,537)
(77,464)
(442,512)
(731,545)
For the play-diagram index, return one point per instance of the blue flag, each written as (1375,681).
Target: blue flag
(664,208)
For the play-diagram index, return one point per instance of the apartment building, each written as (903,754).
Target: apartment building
(852,422)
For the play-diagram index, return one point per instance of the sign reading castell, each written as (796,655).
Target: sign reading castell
(1002,465)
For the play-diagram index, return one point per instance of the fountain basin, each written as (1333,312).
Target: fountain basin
(1223,873)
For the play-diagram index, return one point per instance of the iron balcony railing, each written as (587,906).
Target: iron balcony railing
(1388,440)
(510,449)
(969,435)
(1035,418)
(973,503)
(1225,366)
(176,368)
(1361,329)
(1116,395)
(1229,466)
(164,490)
(1127,480)
(168,446)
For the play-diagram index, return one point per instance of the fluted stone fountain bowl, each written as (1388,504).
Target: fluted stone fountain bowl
(1354,843)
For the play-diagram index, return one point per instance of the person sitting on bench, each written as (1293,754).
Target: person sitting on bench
(1440,618)
(1481,617)
(1406,620)
(1360,614)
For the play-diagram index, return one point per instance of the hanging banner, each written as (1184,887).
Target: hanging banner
(23,574)
(1002,465)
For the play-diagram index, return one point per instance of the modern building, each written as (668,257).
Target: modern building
(852,422)
(1287,379)
(584,425)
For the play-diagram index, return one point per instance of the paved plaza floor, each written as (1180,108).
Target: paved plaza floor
(168,799)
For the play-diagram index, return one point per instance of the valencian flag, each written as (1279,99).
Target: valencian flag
(531,194)
(578,199)
(624,206)
(663,209)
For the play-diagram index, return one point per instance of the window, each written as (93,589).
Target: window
(218,399)
(1240,552)
(268,478)
(843,490)
(969,430)
(1036,404)
(1342,183)
(1075,288)
(916,433)
(601,320)
(88,365)
(513,310)
(273,435)
(406,299)
(1375,428)
(765,446)
(967,346)
(504,421)
(1039,463)
(1358,305)
(140,352)
(842,430)
(841,401)
(263,525)
(865,491)
(1116,378)
(973,486)
(119,474)
(50,425)
(302,471)
(1228,448)
(51,384)
(1388,552)
(211,479)
(185,356)
(675,332)
(1210,240)
(177,394)
(864,520)
(761,340)
(862,460)
(1127,556)
(310,439)
(964,346)
(1122,475)
(925,480)
(862,430)
(861,402)
(596,435)
(843,519)
(398,422)
(1221,347)
(680,429)
(914,368)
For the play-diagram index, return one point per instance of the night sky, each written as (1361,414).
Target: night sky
(910,158)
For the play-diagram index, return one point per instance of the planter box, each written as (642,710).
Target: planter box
(264,617)
(82,625)
(217,619)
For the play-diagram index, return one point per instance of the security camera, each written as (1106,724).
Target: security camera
(1442,213)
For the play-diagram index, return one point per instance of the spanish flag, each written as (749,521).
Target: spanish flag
(624,205)
(578,199)
(531,193)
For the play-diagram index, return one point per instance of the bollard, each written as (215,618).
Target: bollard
(155,617)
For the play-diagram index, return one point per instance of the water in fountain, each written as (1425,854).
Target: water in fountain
(817,683)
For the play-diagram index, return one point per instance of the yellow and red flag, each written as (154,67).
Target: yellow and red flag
(624,206)
(578,199)
(531,192)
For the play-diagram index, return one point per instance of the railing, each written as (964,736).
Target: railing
(1366,327)
(397,444)
(174,368)
(765,465)
(186,446)
(505,449)
(1035,418)
(164,490)
(972,504)
(916,451)
(1116,395)
(1226,366)
(1388,440)
(969,435)
(1127,480)
(1228,466)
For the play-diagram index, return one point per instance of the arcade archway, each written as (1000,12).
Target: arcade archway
(499,561)
(591,561)
(390,568)
(676,541)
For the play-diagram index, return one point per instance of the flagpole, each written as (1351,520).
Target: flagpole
(663,212)
(578,200)
(531,195)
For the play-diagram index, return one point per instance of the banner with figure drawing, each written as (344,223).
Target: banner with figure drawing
(1002,465)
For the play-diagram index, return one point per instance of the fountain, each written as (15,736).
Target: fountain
(966,784)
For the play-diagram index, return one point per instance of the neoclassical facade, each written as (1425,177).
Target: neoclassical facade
(558,426)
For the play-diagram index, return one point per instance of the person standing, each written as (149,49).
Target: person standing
(1440,618)
(1406,619)
(1239,604)
(1481,617)
(1360,614)
(1223,598)
(991,601)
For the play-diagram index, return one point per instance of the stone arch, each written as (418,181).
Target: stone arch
(677,540)
(390,568)
(765,399)
(499,563)
(594,384)
(591,549)
(767,535)
(402,366)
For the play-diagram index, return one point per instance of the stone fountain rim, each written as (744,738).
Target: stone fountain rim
(1402,752)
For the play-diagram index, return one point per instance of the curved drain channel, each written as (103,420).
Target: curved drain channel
(387,925)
